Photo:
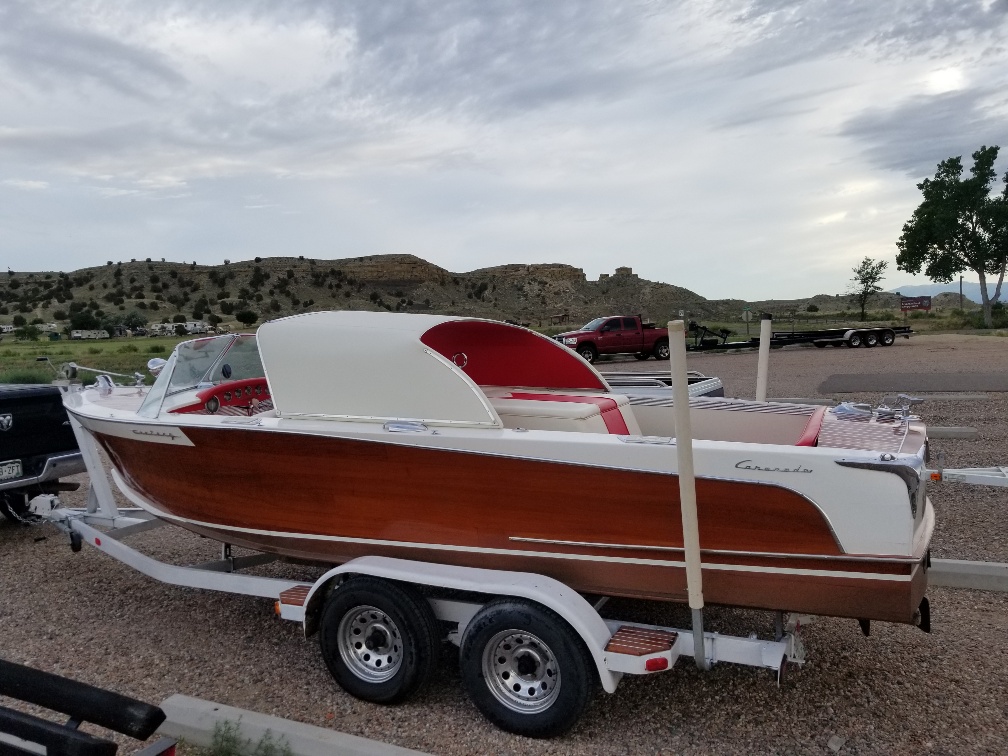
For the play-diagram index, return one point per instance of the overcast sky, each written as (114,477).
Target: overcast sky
(740,149)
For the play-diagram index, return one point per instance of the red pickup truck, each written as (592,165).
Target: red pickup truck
(623,334)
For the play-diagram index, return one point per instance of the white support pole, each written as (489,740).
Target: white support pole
(687,483)
(766,333)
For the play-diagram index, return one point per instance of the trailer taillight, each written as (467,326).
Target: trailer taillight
(656,664)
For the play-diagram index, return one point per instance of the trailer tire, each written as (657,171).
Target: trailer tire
(888,338)
(854,341)
(588,353)
(661,350)
(871,339)
(379,639)
(526,669)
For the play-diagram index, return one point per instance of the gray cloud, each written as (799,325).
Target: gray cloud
(916,135)
(44,49)
(791,31)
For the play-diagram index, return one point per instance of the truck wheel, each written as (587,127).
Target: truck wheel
(854,341)
(588,352)
(661,350)
(379,639)
(871,339)
(888,338)
(642,356)
(526,669)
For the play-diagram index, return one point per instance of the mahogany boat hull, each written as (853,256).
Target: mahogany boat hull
(615,532)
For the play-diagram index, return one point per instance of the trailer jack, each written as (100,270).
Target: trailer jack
(923,616)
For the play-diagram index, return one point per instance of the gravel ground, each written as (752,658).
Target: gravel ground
(898,691)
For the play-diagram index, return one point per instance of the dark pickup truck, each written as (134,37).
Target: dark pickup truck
(622,334)
(37,446)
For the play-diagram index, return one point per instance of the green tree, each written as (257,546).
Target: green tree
(83,320)
(865,283)
(959,226)
(246,317)
(28,333)
(134,320)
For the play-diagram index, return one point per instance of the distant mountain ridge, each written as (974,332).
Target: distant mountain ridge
(970,290)
(537,294)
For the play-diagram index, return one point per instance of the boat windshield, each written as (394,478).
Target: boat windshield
(194,360)
(593,325)
(240,361)
(201,363)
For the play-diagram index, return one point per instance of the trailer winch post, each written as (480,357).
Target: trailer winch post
(687,484)
(765,336)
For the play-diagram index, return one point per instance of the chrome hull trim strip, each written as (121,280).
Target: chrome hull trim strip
(722,552)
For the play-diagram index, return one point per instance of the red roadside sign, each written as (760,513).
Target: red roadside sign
(915,303)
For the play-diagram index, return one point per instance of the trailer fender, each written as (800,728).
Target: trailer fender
(562,599)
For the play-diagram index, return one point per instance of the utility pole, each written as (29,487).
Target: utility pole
(960,293)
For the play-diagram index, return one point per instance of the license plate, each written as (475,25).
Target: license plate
(11,469)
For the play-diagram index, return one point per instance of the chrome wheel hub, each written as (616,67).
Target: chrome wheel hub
(521,671)
(370,644)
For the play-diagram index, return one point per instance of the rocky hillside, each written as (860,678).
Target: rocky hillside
(539,295)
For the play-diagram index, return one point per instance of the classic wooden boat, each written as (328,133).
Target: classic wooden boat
(333,435)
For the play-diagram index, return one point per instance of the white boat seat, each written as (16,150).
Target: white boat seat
(538,410)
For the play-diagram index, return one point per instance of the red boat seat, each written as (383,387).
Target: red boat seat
(810,436)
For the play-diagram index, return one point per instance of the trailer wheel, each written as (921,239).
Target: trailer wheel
(642,356)
(379,639)
(854,341)
(871,339)
(888,338)
(526,669)
(587,351)
(661,350)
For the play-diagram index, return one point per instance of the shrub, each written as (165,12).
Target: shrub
(246,317)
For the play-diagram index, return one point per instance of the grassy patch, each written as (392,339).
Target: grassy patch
(227,741)
(25,375)
(21,356)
